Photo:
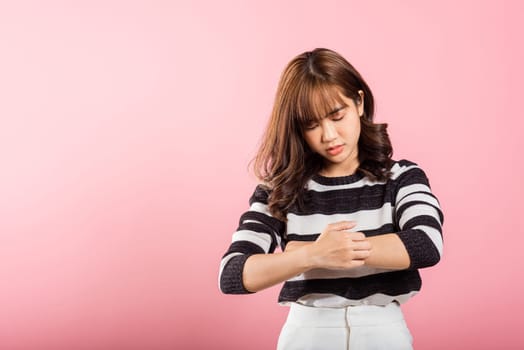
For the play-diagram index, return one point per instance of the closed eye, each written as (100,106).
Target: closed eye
(310,126)
(339,115)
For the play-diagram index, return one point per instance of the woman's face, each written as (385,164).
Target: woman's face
(335,137)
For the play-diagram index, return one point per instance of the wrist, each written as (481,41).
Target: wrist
(308,256)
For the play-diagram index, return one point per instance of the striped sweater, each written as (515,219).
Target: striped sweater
(404,204)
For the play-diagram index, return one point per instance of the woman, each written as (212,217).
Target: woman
(354,225)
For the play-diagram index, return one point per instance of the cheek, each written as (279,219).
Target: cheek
(310,139)
(355,130)
(351,131)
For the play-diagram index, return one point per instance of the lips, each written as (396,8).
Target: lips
(335,150)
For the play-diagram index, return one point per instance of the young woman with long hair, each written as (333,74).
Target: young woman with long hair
(353,224)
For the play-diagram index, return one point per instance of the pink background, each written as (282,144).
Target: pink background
(125,132)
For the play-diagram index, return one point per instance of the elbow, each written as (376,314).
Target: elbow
(429,258)
(431,262)
(434,254)
(226,288)
(222,286)
(436,259)
(423,250)
(232,285)
(230,278)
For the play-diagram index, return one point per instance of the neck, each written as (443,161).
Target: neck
(332,171)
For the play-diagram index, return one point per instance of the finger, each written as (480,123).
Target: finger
(342,225)
(356,263)
(361,245)
(361,254)
(356,236)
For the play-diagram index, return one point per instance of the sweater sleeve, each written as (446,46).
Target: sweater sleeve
(419,216)
(258,232)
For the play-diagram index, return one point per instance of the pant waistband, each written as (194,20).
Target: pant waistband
(359,315)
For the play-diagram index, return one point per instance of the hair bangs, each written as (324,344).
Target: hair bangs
(316,100)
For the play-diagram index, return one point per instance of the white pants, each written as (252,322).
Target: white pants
(361,327)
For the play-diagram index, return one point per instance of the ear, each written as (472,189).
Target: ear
(360,103)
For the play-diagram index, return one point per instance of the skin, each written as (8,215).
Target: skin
(340,127)
(337,247)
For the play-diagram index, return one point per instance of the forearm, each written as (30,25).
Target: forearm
(387,251)
(265,270)
(333,249)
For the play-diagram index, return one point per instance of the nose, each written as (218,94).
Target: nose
(329,131)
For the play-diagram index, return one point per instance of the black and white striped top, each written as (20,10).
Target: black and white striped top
(404,204)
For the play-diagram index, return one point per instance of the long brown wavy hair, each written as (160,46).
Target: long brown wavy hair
(308,89)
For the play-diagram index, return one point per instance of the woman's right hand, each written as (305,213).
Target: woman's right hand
(336,248)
